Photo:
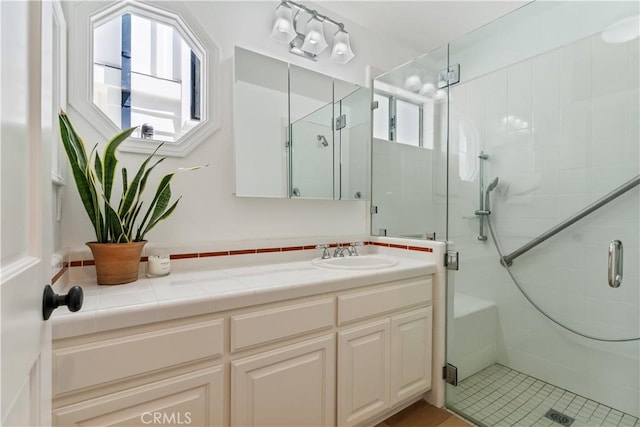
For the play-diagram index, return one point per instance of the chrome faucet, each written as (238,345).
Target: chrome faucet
(353,251)
(339,252)
(325,252)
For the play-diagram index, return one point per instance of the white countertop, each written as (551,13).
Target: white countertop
(196,292)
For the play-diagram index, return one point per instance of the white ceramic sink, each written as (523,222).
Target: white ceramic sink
(361,262)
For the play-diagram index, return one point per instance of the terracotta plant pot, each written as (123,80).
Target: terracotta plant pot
(116,263)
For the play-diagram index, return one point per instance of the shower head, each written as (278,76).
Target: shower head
(493,185)
(487,199)
(322,140)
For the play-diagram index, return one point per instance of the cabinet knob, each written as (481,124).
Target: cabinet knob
(51,300)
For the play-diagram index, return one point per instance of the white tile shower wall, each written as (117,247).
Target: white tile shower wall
(208,211)
(403,189)
(560,132)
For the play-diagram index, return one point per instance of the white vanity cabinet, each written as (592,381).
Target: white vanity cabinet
(290,386)
(363,372)
(411,353)
(170,372)
(383,362)
(191,399)
(346,357)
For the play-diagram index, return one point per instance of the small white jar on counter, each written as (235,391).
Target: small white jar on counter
(158,265)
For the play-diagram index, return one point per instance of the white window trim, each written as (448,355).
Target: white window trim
(85,15)
(60,86)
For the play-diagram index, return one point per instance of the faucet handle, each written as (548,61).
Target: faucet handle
(325,253)
(353,251)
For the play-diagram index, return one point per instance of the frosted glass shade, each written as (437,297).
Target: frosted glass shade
(341,52)
(283,27)
(314,41)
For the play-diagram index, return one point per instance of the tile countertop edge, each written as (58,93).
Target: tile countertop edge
(96,319)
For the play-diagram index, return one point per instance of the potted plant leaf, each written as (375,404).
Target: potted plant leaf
(122,221)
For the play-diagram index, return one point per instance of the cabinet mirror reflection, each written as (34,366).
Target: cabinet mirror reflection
(298,133)
(147,73)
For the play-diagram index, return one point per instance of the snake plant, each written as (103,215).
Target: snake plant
(116,221)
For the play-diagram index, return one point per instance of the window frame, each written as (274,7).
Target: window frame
(86,16)
(393,119)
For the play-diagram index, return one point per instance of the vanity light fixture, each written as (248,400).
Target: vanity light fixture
(342,52)
(283,27)
(312,43)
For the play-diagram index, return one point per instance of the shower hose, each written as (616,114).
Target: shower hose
(537,307)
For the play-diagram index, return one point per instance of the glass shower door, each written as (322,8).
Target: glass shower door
(539,130)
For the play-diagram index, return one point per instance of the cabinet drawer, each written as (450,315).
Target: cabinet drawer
(191,399)
(115,359)
(384,299)
(260,327)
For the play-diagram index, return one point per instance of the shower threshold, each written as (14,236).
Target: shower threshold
(503,397)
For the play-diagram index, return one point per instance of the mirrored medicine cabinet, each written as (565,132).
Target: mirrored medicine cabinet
(299,133)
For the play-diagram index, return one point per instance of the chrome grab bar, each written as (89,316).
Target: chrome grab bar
(633,182)
(615,263)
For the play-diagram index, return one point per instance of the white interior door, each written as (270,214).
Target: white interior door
(26,115)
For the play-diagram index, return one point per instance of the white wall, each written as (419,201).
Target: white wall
(209,211)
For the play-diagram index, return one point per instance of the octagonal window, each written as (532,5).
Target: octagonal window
(148,72)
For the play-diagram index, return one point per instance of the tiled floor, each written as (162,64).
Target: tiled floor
(499,396)
(422,414)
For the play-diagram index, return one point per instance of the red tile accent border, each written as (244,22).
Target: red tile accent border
(265,250)
(183,256)
(243,252)
(254,251)
(210,254)
(393,245)
(58,275)
(419,248)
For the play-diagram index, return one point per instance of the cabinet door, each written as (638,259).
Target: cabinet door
(191,399)
(363,372)
(290,386)
(410,354)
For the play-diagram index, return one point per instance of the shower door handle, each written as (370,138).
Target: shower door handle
(615,263)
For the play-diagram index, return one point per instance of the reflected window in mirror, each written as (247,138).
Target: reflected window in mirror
(147,73)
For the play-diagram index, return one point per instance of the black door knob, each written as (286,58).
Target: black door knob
(51,300)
